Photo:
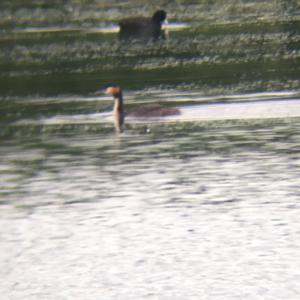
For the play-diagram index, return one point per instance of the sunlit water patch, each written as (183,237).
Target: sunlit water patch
(193,108)
(218,200)
(104,29)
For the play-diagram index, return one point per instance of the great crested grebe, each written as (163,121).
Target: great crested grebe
(143,28)
(148,110)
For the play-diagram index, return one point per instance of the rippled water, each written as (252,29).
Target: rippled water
(188,211)
(203,205)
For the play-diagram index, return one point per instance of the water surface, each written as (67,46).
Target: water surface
(204,205)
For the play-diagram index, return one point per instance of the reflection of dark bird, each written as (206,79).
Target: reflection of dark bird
(143,28)
(150,110)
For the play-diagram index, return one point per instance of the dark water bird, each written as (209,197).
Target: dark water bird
(148,110)
(143,28)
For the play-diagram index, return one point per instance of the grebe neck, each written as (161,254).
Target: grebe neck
(118,102)
(118,112)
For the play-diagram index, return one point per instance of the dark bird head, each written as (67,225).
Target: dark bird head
(159,16)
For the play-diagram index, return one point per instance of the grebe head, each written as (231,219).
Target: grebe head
(113,90)
(159,16)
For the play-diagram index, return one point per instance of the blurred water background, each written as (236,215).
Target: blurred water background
(200,206)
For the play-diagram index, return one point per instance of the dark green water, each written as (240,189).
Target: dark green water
(204,205)
(228,47)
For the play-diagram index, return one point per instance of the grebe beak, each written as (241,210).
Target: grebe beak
(111,90)
(101,92)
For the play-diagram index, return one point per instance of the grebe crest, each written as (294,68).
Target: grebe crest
(112,90)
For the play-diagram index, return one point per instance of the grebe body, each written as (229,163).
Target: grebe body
(153,110)
(148,110)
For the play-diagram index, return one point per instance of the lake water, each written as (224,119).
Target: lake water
(204,205)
